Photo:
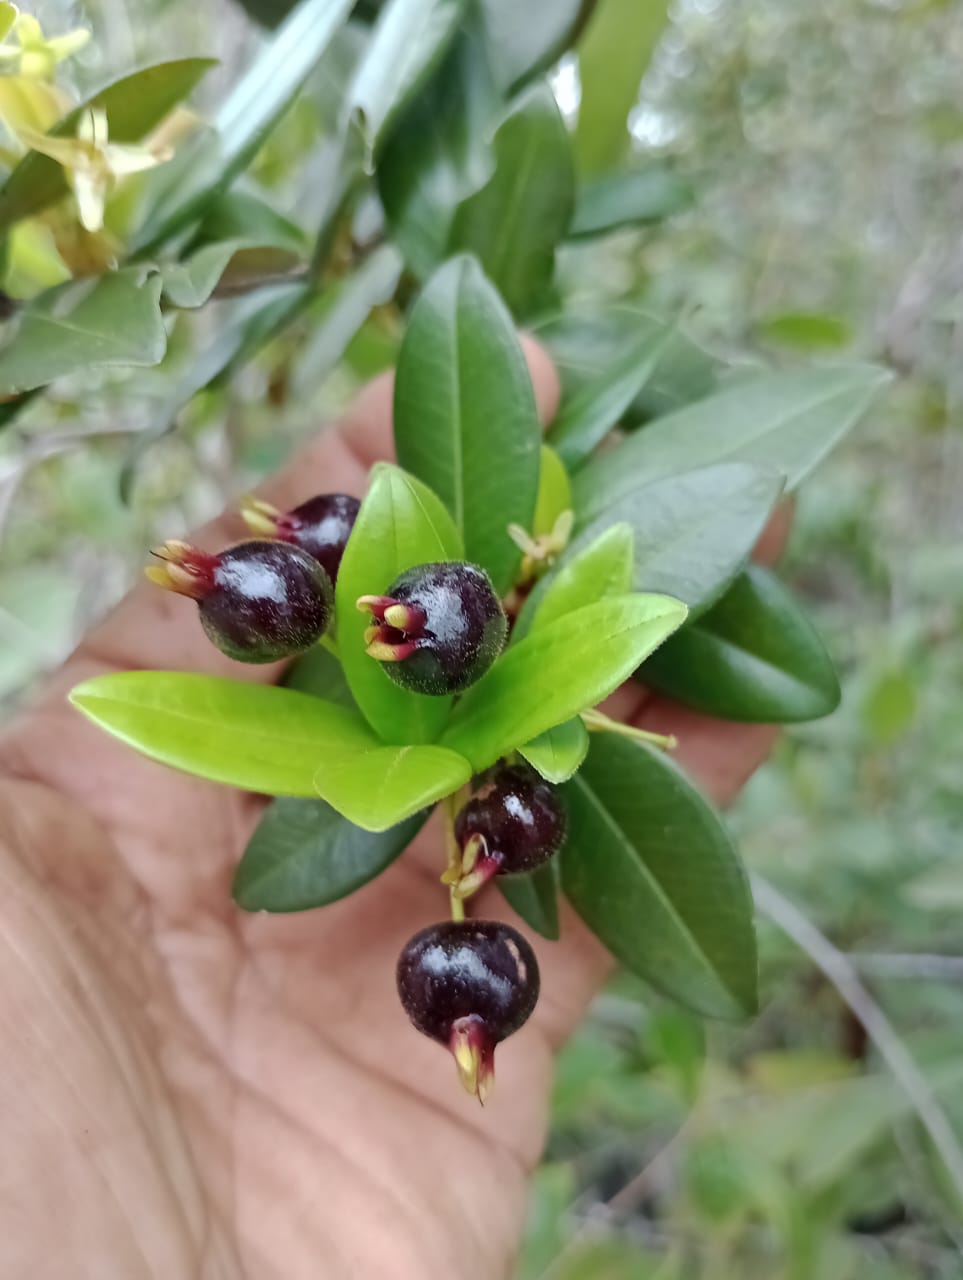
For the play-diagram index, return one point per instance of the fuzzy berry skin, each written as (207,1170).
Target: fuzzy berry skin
(513,824)
(438,629)
(321,526)
(258,601)
(469,985)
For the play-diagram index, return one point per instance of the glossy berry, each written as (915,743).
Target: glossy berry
(321,526)
(514,823)
(439,628)
(258,601)
(469,985)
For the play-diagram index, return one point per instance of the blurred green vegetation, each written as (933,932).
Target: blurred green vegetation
(822,144)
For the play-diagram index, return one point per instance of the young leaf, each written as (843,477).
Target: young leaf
(787,422)
(408,40)
(554,492)
(602,568)
(401,523)
(692,532)
(589,414)
(553,675)
(465,417)
(439,153)
(557,753)
(304,854)
(515,221)
(86,324)
(613,56)
(534,897)
(651,869)
(257,737)
(134,105)
(754,656)
(638,197)
(377,787)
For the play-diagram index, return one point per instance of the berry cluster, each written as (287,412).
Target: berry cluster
(465,983)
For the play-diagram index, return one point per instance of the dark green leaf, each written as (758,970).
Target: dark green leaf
(787,422)
(553,675)
(692,532)
(535,898)
(86,324)
(407,42)
(253,736)
(595,407)
(529,37)
(651,869)
(613,56)
(206,165)
(377,787)
(515,221)
(401,523)
(319,673)
(557,753)
(465,416)
(638,197)
(304,854)
(588,342)
(134,105)
(754,656)
(439,154)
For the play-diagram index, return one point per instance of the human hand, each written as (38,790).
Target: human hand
(192,1091)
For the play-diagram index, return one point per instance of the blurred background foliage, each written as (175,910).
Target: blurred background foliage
(804,161)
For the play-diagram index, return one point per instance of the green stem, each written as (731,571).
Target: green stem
(450,808)
(597,721)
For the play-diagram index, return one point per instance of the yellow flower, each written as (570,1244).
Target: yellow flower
(33,54)
(92,163)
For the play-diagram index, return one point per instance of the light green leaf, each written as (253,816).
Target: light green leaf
(554,492)
(613,56)
(401,523)
(304,854)
(601,568)
(652,871)
(552,676)
(692,532)
(754,656)
(206,165)
(529,37)
(637,197)
(557,753)
(407,43)
(534,897)
(787,422)
(515,221)
(465,416)
(809,330)
(134,105)
(9,13)
(440,153)
(376,788)
(589,414)
(257,737)
(86,324)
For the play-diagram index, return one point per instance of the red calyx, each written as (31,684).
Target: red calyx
(473,1048)
(397,630)
(185,569)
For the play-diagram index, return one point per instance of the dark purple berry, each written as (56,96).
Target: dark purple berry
(438,629)
(469,985)
(514,823)
(321,526)
(258,601)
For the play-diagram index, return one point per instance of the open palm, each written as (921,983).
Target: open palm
(191,1091)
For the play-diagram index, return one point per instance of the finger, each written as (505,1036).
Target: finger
(156,630)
